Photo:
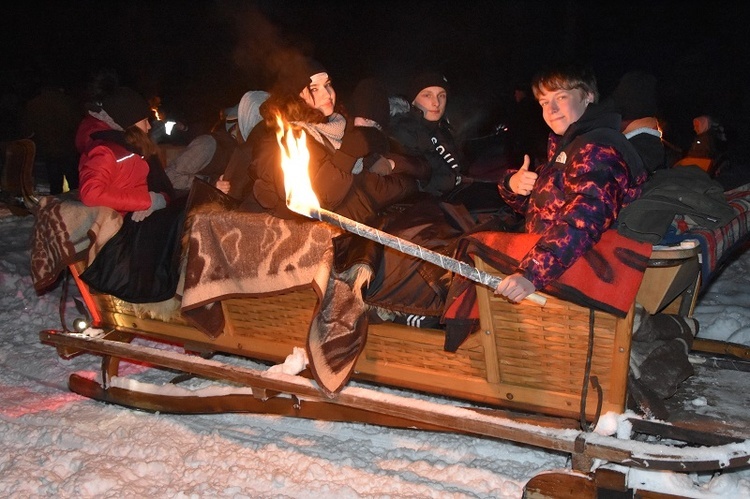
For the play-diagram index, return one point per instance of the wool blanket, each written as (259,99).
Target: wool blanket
(606,278)
(233,253)
(67,231)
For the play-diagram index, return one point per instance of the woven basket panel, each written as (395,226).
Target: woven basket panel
(164,311)
(468,361)
(284,318)
(546,347)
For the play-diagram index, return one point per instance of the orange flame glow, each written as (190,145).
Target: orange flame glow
(155,102)
(295,158)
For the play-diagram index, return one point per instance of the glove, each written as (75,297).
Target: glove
(359,142)
(158,201)
(379,164)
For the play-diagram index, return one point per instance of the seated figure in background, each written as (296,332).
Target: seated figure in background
(120,168)
(635,98)
(208,156)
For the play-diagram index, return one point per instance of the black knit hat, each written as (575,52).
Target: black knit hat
(635,96)
(370,100)
(297,75)
(126,107)
(426,79)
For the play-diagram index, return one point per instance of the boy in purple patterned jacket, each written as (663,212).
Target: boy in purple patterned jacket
(592,172)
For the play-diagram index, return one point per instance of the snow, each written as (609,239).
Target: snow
(57,443)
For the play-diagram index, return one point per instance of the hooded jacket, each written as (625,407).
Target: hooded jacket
(592,172)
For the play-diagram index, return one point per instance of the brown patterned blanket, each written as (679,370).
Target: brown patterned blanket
(66,231)
(233,253)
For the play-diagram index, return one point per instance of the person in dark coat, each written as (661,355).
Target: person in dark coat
(305,98)
(50,119)
(422,130)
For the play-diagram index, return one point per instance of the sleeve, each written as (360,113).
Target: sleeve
(105,182)
(593,188)
(198,153)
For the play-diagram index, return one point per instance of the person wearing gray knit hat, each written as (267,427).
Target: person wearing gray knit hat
(126,107)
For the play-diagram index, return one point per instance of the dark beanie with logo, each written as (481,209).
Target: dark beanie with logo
(370,100)
(126,107)
(635,96)
(426,79)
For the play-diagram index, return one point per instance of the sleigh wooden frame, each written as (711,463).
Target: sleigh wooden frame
(524,357)
(524,369)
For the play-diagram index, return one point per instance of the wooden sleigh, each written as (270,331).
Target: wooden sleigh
(533,375)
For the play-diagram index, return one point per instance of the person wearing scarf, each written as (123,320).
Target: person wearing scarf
(305,98)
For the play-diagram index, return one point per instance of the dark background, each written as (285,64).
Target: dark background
(199,57)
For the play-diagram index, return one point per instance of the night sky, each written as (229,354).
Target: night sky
(202,56)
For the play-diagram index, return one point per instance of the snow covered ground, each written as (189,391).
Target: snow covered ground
(57,444)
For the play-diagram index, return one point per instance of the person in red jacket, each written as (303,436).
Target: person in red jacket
(120,168)
(120,160)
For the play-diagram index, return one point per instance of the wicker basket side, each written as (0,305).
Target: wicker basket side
(542,351)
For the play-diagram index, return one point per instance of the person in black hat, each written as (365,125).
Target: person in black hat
(424,131)
(110,174)
(304,98)
(120,168)
(635,99)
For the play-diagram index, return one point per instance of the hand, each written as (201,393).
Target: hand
(158,201)
(223,185)
(515,288)
(522,182)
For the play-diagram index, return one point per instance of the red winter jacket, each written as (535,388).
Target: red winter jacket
(88,125)
(110,175)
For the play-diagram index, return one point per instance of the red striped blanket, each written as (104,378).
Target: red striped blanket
(716,245)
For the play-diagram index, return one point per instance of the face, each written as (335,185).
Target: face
(144,125)
(561,108)
(431,101)
(320,94)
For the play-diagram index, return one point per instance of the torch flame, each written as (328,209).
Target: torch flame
(300,197)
